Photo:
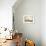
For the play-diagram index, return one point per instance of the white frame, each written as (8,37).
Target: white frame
(28,19)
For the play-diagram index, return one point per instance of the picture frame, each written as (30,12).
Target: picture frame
(28,19)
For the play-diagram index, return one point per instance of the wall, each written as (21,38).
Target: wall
(30,31)
(43,22)
(6,13)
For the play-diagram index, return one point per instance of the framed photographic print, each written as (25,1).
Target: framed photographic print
(28,19)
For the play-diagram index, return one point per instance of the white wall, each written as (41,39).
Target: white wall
(30,31)
(6,13)
(23,28)
(43,22)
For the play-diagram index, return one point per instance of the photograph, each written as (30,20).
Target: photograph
(22,22)
(28,19)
